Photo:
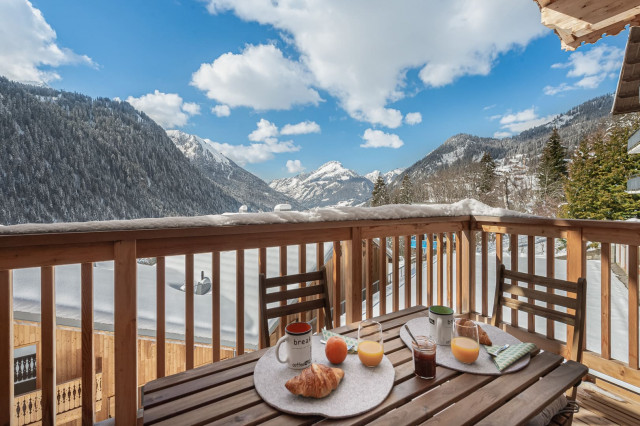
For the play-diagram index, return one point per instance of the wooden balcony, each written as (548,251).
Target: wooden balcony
(456,273)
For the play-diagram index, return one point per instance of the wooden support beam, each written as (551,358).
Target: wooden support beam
(440,261)
(605,300)
(188,312)
(419,253)
(429,269)
(368,278)
(551,272)
(407,271)
(337,277)
(48,344)
(485,274)
(161,348)
(469,273)
(88,359)
(382,282)
(239,302)
(302,268)
(283,272)
(531,269)
(319,264)
(576,268)
(353,291)
(450,269)
(262,269)
(633,307)
(396,273)
(215,305)
(513,252)
(6,348)
(459,267)
(126,329)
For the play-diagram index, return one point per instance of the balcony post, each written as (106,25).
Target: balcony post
(468,266)
(48,343)
(126,330)
(576,268)
(353,292)
(6,348)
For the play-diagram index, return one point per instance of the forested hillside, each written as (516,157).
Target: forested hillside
(68,157)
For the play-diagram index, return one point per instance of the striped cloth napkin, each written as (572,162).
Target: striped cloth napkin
(352,343)
(509,355)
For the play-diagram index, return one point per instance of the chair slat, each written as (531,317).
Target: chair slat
(293,279)
(556,299)
(542,281)
(538,310)
(294,308)
(294,294)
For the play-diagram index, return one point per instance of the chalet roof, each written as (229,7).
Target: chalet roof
(586,21)
(627,99)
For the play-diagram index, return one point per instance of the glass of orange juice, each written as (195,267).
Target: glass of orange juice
(465,345)
(370,348)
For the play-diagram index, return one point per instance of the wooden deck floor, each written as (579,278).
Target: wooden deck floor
(599,407)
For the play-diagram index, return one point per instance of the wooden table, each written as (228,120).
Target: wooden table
(223,393)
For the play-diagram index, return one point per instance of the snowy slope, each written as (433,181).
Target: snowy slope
(239,183)
(330,185)
(387,177)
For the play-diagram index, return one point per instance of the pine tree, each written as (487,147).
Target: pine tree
(487,175)
(551,173)
(600,168)
(406,191)
(380,194)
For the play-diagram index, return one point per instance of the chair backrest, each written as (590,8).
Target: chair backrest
(576,307)
(316,286)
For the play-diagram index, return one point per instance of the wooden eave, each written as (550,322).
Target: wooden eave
(586,21)
(626,99)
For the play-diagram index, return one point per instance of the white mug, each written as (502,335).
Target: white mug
(298,347)
(441,324)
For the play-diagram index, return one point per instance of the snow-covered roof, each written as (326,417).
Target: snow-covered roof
(467,207)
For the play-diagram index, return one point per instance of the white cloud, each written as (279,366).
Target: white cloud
(294,166)
(301,128)
(221,110)
(266,130)
(514,123)
(260,77)
(166,109)
(28,45)
(488,107)
(413,118)
(256,152)
(591,66)
(501,135)
(379,139)
(360,51)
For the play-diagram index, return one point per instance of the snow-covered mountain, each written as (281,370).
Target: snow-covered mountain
(386,177)
(233,179)
(330,185)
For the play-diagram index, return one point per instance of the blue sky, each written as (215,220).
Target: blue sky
(374,84)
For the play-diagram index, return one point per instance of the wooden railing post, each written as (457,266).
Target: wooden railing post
(469,266)
(48,344)
(576,268)
(215,305)
(160,317)
(633,306)
(337,278)
(262,269)
(126,329)
(88,360)
(240,302)
(353,292)
(6,348)
(188,311)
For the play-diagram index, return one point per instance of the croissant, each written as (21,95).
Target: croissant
(316,381)
(483,337)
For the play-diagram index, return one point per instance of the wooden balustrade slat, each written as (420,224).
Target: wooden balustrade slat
(459,271)
(283,271)
(633,306)
(539,310)
(368,279)
(319,264)
(485,274)
(556,284)
(188,311)
(551,265)
(262,269)
(555,299)
(396,273)
(48,344)
(353,292)
(450,269)
(531,268)
(513,252)
(215,305)
(429,269)
(126,329)
(419,253)
(337,277)
(239,302)
(382,282)
(160,317)
(292,309)
(88,360)
(6,347)
(282,282)
(469,271)
(605,300)
(576,268)
(440,267)
(293,294)
(407,271)
(302,268)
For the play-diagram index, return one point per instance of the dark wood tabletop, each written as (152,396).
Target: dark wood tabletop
(223,392)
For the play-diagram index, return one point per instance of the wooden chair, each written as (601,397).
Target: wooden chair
(319,288)
(575,319)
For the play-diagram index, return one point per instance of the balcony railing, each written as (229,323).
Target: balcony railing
(456,274)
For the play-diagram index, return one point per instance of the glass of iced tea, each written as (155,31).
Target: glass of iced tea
(424,357)
(465,345)
(370,348)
